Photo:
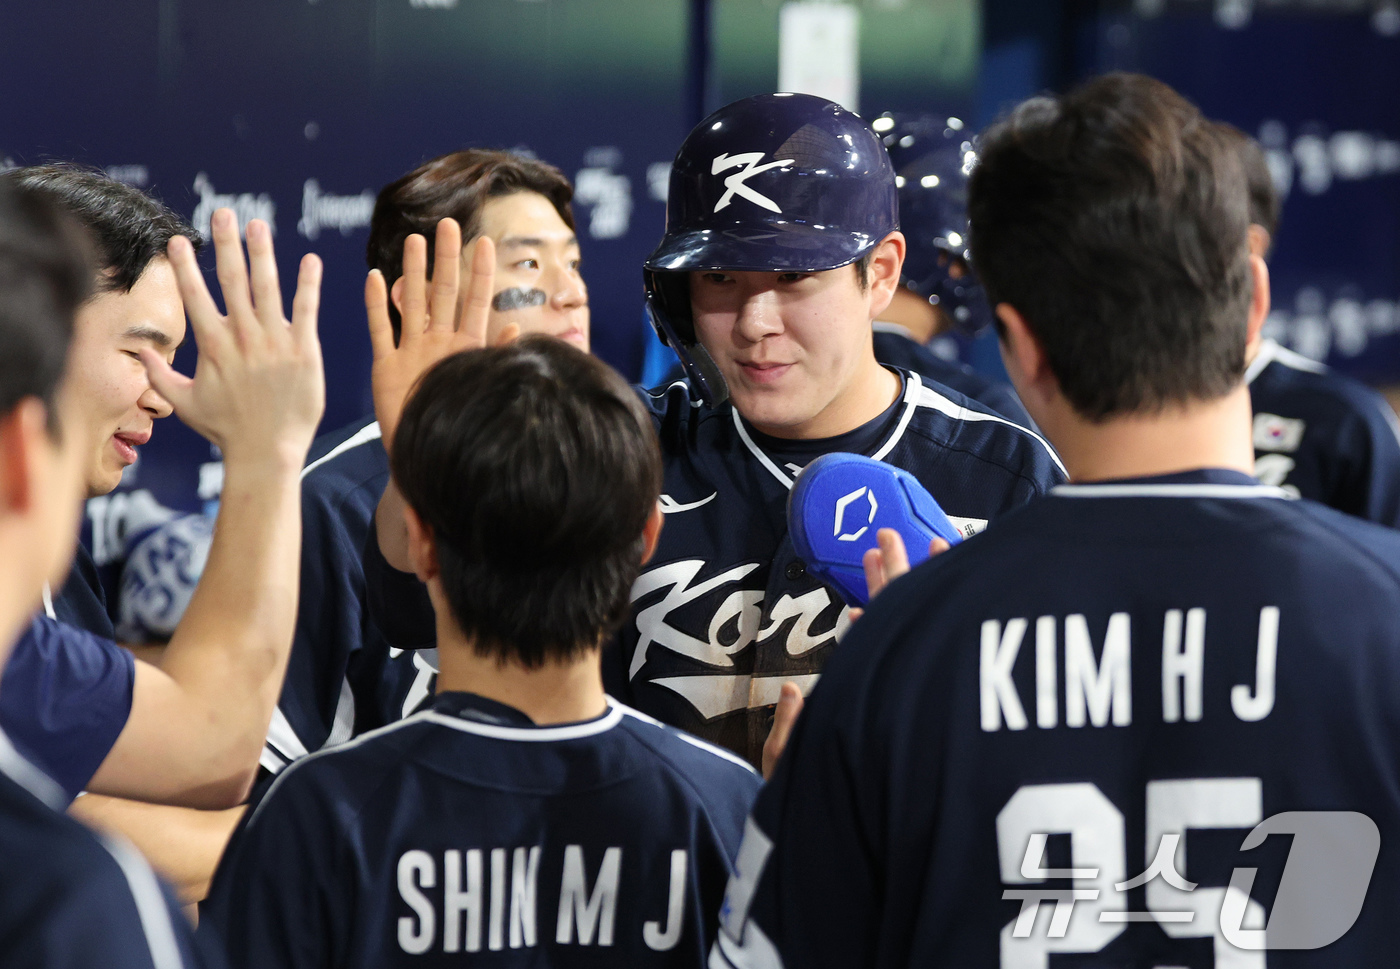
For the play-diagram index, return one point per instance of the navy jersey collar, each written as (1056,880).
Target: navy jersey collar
(875,437)
(479,709)
(1200,483)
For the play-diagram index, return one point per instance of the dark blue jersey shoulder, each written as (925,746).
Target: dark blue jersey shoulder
(340,680)
(1324,436)
(82,601)
(895,348)
(464,829)
(1124,680)
(64,699)
(69,900)
(725,612)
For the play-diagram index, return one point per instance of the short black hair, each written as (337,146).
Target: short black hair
(46,272)
(1115,220)
(127,226)
(1264,203)
(536,468)
(454,186)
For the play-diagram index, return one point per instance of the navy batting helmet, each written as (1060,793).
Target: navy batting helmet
(933,157)
(772,183)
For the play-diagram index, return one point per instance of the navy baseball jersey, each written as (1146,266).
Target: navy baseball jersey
(466,832)
(72,900)
(894,347)
(725,612)
(1072,742)
(65,697)
(341,678)
(1323,436)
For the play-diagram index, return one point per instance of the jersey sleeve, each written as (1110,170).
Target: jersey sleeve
(279,899)
(65,698)
(114,913)
(316,707)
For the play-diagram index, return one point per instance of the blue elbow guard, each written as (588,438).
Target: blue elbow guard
(840,501)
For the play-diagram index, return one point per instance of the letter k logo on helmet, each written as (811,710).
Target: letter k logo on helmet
(734,184)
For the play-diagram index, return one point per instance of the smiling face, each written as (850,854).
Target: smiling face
(795,348)
(114,399)
(538,284)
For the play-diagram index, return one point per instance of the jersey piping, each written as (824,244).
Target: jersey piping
(370,432)
(912,386)
(17,768)
(1168,491)
(931,398)
(150,904)
(532,734)
(281,736)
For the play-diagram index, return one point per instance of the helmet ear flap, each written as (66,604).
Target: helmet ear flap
(668,309)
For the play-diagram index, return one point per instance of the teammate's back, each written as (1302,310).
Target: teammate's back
(524,815)
(1172,658)
(1149,714)
(467,829)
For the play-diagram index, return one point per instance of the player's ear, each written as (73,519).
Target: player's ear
(422,550)
(396,294)
(886,262)
(1026,361)
(1261,299)
(651,533)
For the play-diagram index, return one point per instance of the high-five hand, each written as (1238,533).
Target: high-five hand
(432,327)
(258,389)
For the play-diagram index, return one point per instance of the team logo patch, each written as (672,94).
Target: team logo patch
(734,184)
(855,506)
(1274,433)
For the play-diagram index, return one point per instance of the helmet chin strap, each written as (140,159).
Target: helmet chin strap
(700,368)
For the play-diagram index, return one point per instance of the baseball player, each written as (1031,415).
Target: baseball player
(67,898)
(938,293)
(781,247)
(524,816)
(1317,434)
(1062,743)
(343,677)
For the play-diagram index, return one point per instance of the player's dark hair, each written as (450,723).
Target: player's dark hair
(536,468)
(46,272)
(454,186)
(1264,203)
(1114,219)
(128,227)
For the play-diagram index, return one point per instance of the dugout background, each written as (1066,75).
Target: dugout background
(299,110)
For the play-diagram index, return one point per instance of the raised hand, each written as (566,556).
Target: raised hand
(432,327)
(259,388)
(888,561)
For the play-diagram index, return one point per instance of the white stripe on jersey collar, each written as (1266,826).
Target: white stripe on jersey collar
(1271,352)
(534,734)
(1168,491)
(912,387)
(17,768)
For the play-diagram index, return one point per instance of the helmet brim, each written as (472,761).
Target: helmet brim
(775,247)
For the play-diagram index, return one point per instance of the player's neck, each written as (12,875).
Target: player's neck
(1204,434)
(565,692)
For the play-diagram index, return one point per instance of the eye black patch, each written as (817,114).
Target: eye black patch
(518,298)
